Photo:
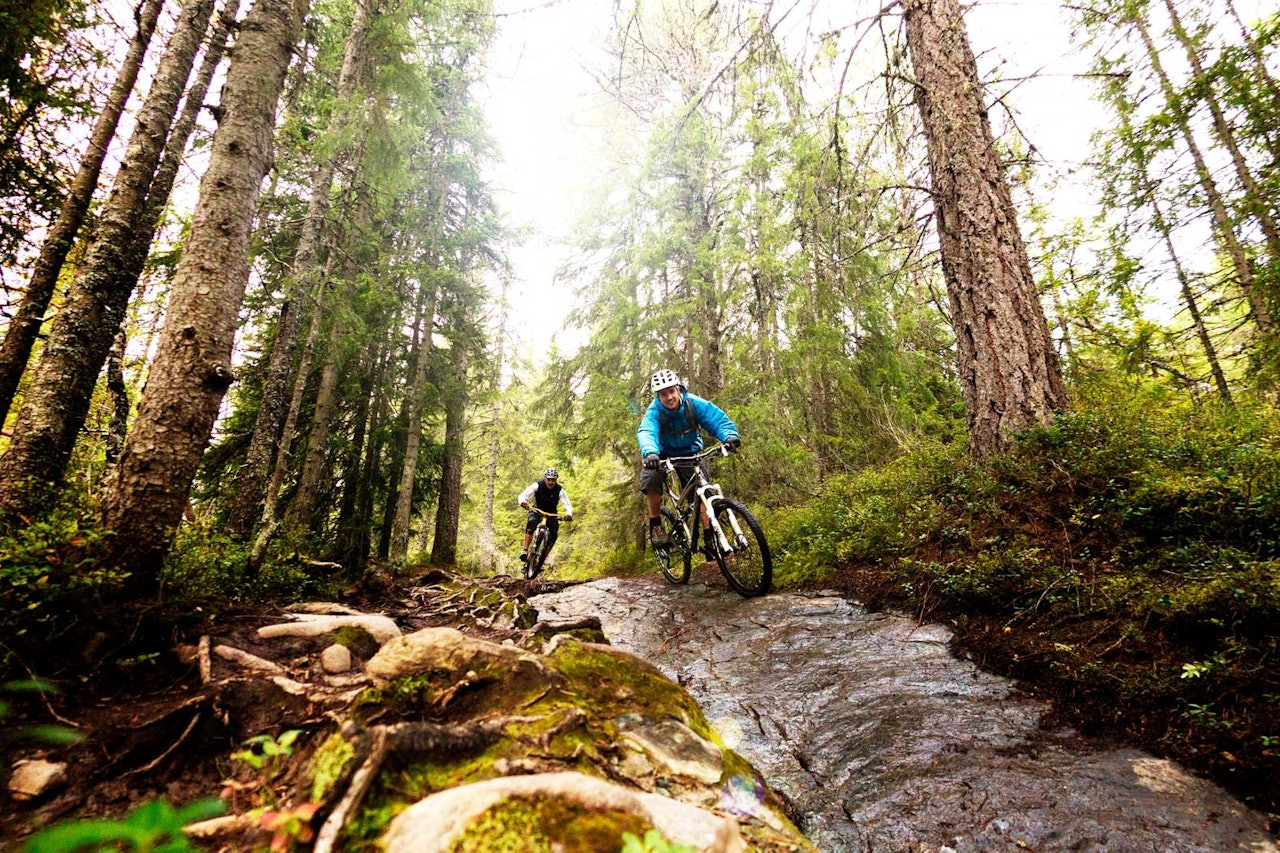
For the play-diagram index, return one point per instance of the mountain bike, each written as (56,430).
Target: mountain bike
(733,540)
(538,546)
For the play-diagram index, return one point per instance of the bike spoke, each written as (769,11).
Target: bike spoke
(747,566)
(674,559)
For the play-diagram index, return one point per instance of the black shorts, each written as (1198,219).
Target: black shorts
(653,480)
(531,523)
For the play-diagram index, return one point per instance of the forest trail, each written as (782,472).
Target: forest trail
(881,740)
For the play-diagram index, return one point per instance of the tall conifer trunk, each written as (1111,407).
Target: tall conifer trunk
(147,492)
(1228,239)
(1008,366)
(1255,200)
(24,328)
(423,330)
(270,440)
(444,549)
(80,337)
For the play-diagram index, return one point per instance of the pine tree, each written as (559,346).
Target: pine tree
(145,497)
(1008,366)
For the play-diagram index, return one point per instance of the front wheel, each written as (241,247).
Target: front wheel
(747,564)
(675,560)
(537,553)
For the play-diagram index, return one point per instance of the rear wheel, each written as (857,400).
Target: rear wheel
(747,564)
(537,553)
(675,560)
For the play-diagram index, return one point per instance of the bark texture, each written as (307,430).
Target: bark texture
(148,489)
(444,549)
(269,445)
(1007,363)
(24,328)
(56,406)
(416,393)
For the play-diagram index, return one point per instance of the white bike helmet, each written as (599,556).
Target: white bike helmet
(551,474)
(663,379)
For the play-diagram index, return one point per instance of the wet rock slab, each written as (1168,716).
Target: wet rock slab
(881,740)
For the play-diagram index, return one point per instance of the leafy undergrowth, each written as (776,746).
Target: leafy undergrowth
(1123,563)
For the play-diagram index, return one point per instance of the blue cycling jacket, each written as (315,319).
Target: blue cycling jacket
(671,433)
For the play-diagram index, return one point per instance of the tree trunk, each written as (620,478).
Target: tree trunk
(1227,238)
(148,489)
(24,328)
(119,394)
(1254,198)
(1189,299)
(302,510)
(271,498)
(135,258)
(349,539)
(488,549)
(56,406)
(391,487)
(416,393)
(444,550)
(1008,366)
(1261,77)
(270,438)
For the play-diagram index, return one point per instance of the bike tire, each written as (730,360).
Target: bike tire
(537,553)
(676,560)
(749,566)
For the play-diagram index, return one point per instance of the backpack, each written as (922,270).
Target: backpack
(664,416)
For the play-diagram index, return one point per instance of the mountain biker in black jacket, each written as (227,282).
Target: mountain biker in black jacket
(547,495)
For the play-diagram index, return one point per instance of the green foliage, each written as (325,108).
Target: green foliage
(204,563)
(329,765)
(872,515)
(154,827)
(1128,553)
(47,575)
(263,753)
(653,842)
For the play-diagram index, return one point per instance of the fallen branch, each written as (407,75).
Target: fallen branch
(206,664)
(360,782)
(247,660)
(155,762)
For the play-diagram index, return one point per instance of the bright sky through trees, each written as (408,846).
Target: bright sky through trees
(540,98)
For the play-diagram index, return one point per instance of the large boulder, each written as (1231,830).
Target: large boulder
(570,812)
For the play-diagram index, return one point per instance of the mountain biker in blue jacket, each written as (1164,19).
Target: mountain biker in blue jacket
(670,427)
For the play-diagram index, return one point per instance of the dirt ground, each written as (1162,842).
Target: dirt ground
(150,728)
(150,731)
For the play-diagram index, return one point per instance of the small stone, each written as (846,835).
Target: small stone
(34,778)
(336,659)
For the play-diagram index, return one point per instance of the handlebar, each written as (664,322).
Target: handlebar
(549,514)
(669,463)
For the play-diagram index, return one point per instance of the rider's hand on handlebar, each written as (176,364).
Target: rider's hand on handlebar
(733,444)
(651,461)
(524,506)
(568,518)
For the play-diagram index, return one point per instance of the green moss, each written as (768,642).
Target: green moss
(424,777)
(612,685)
(329,765)
(544,825)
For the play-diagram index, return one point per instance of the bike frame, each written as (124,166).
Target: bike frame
(541,529)
(706,493)
(537,545)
